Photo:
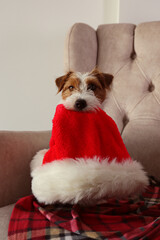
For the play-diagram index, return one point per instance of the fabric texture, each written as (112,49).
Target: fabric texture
(87,161)
(83,135)
(113,219)
(5,214)
(88,47)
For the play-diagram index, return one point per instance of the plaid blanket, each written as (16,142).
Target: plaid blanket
(114,219)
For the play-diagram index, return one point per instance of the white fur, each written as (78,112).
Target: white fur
(82,76)
(92,102)
(87,180)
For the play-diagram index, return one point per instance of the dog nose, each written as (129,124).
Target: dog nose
(80,104)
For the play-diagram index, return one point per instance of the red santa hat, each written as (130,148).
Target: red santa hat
(86,161)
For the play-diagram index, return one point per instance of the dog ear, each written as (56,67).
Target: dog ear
(104,78)
(60,81)
(108,79)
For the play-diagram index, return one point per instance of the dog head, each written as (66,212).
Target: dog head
(84,92)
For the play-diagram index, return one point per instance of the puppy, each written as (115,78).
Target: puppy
(84,92)
(87,161)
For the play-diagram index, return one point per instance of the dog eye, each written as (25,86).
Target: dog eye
(71,87)
(92,87)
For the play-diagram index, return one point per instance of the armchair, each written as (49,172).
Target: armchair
(132,54)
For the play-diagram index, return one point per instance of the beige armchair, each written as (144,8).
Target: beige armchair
(132,54)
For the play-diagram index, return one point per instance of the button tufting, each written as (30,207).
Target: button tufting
(125,120)
(133,55)
(151,87)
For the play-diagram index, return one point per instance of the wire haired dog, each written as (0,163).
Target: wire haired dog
(84,92)
(87,160)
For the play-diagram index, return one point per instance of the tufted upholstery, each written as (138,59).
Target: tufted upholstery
(132,54)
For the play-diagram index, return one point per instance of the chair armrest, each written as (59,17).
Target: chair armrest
(16,152)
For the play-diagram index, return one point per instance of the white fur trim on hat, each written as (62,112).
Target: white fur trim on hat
(86,180)
(37,159)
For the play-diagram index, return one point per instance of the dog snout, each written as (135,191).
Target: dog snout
(80,104)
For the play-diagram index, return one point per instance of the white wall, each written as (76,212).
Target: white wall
(137,11)
(111,11)
(32,35)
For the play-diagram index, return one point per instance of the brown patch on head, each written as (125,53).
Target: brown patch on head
(94,85)
(62,80)
(98,82)
(68,84)
(104,78)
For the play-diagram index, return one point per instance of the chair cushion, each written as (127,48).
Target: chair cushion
(5,213)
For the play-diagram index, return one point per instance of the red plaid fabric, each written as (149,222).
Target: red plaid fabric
(117,220)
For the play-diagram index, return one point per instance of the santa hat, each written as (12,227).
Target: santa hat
(87,161)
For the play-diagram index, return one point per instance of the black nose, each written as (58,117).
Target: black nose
(80,104)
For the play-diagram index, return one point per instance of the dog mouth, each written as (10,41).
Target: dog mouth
(80,105)
(84,102)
